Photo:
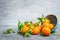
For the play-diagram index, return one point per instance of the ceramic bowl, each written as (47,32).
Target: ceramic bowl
(53,20)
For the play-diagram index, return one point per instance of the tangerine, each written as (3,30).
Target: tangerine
(46,31)
(36,30)
(24,29)
(51,26)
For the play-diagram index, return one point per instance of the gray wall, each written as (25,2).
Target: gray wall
(12,10)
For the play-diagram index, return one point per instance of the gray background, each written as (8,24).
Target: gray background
(12,10)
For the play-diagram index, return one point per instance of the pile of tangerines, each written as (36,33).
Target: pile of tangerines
(36,28)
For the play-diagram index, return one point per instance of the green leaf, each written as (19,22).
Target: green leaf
(5,32)
(42,18)
(39,19)
(9,31)
(20,25)
(27,33)
(30,23)
(26,22)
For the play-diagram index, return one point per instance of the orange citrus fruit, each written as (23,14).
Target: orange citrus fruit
(51,26)
(45,24)
(36,30)
(46,20)
(24,29)
(46,31)
(26,25)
